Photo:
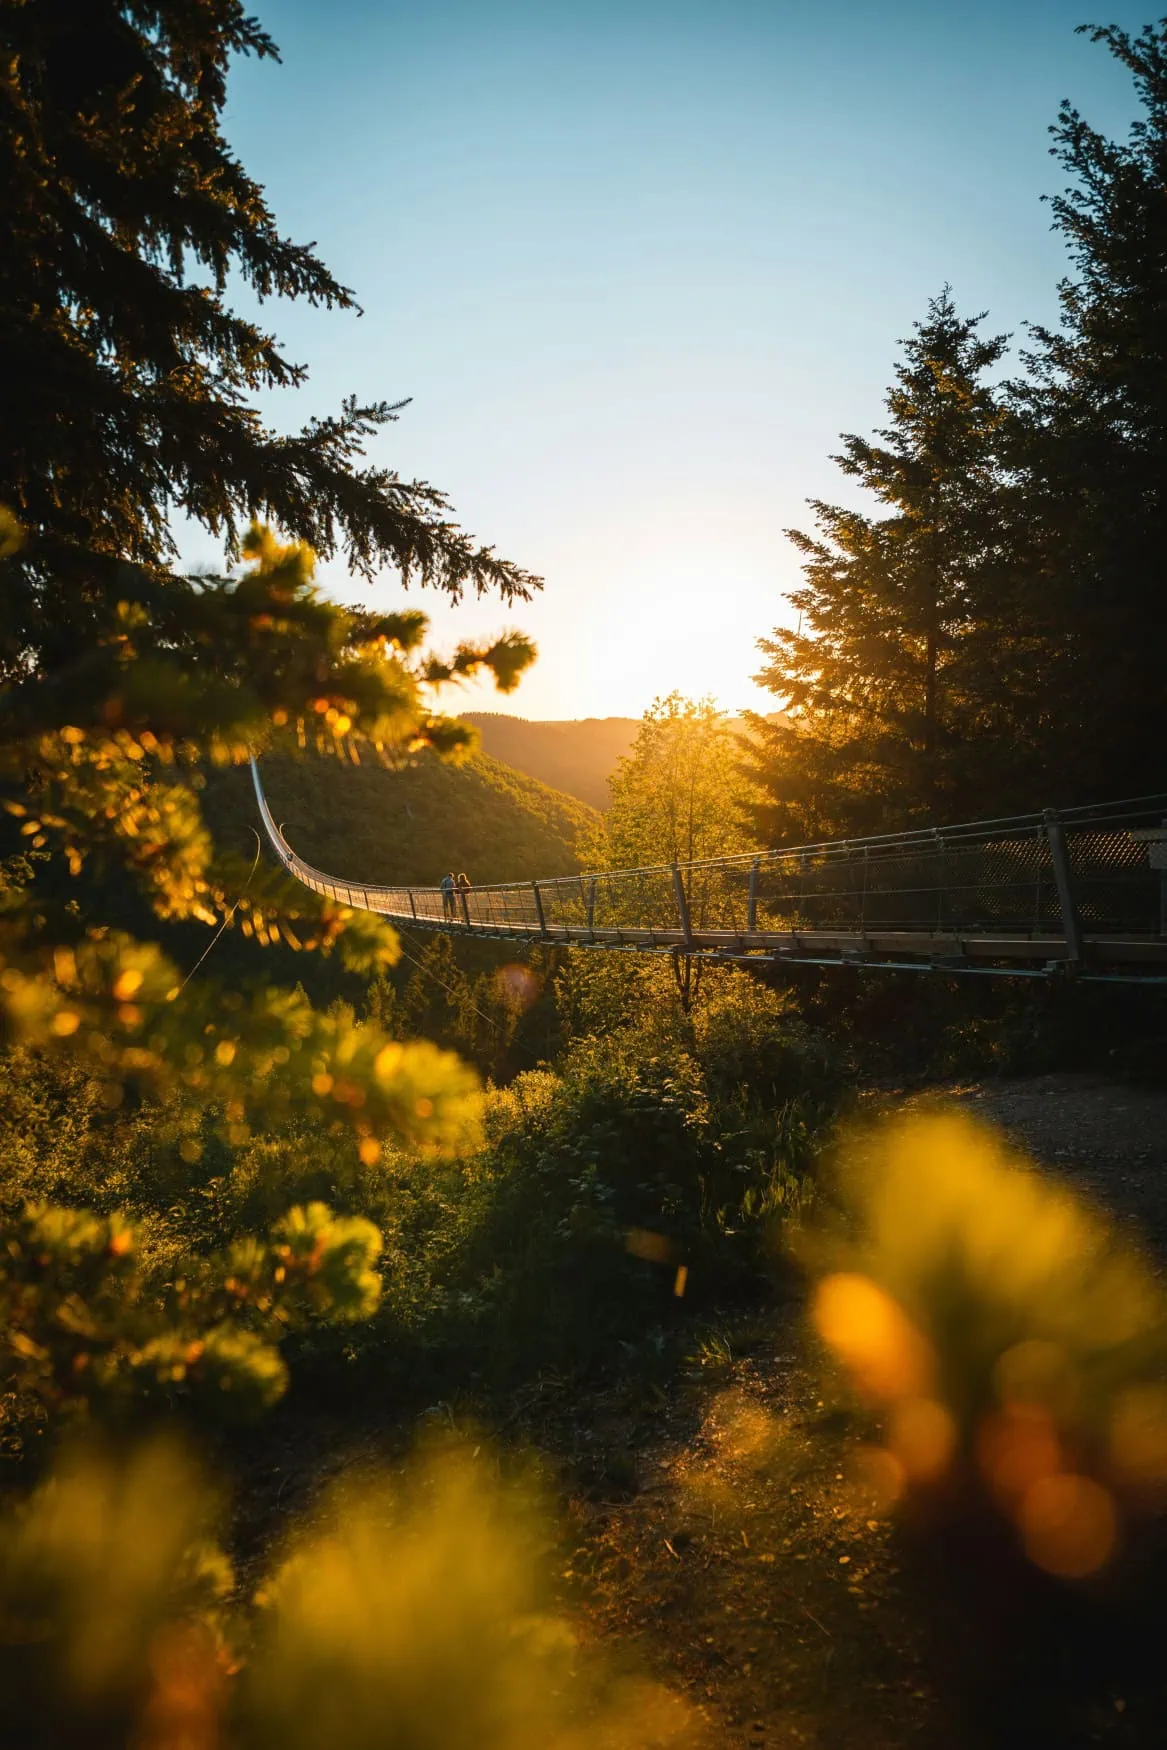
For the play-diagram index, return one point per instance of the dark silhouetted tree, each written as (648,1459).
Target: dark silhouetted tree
(1092,452)
(126,395)
(127,380)
(884,681)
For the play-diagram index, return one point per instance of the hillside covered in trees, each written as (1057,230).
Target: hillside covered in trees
(379,824)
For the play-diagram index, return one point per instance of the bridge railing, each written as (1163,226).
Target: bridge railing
(1085,870)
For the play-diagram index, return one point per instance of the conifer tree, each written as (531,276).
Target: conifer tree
(127,379)
(1092,450)
(885,678)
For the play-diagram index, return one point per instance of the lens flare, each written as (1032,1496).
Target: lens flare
(641,1242)
(517,986)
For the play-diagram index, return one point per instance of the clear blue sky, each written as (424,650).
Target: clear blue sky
(638,264)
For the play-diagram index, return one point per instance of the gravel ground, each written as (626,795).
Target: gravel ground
(1107,1139)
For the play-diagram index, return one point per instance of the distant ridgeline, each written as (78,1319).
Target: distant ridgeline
(376,825)
(576,757)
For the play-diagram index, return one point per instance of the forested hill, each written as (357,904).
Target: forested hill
(378,825)
(574,756)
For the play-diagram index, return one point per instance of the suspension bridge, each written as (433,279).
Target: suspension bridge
(1074,892)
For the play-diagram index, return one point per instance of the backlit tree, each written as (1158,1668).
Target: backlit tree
(881,679)
(680,797)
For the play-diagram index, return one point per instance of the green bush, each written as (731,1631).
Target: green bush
(638,1158)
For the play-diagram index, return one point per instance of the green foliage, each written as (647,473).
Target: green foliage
(649,1147)
(116,1563)
(988,638)
(474,998)
(679,797)
(420,1615)
(1091,449)
(410,823)
(92,801)
(1021,1295)
(1009,1346)
(84,1327)
(413,1611)
(122,685)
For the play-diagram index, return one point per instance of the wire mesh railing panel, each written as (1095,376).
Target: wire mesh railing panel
(563,904)
(1115,888)
(637,899)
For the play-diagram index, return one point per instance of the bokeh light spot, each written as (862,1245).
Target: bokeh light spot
(517,986)
(873,1337)
(878,1479)
(1017,1448)
(1138,1433)
(922,1436)
(1068,1525)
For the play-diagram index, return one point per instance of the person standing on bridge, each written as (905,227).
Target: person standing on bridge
(463,887)
(448,885)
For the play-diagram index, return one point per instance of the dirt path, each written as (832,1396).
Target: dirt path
(744,1567)
(1108,1140)
(746,1572)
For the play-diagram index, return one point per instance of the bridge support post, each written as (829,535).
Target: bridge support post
(539,908)
(752,907)
(591,906)
(1071,926)
(1155,839)
(683,910)
(412,905)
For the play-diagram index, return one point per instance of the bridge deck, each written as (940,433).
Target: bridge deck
(1079,892)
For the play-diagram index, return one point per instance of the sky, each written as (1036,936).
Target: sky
(637,265)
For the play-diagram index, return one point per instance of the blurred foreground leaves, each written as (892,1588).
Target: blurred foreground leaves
(1014,1342)
(407,1613)
(1009,1348)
